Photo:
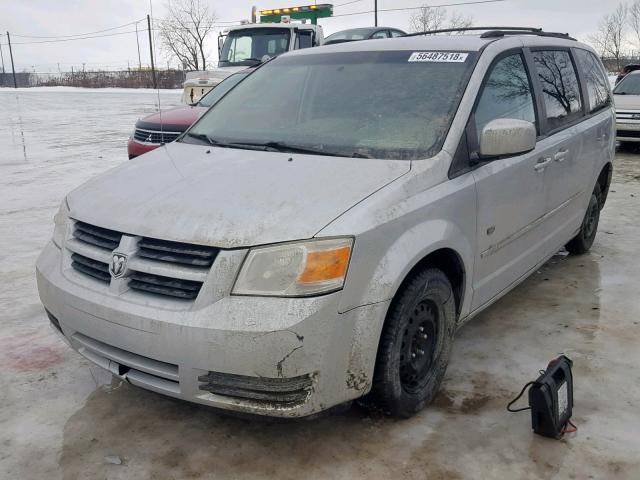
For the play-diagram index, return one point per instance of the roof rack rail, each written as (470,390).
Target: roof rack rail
(492,32)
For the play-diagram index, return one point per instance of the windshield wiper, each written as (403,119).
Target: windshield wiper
(217,143)
(200,136)
(288,147)
(273,146)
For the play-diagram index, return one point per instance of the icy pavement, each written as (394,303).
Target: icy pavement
(60,417)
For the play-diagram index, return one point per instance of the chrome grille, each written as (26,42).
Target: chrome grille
(176,252)
(174,270)
(155,136)
(172,287)
(93,268)
(98,236)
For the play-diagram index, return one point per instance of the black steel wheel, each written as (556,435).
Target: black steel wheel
(582,242)
(415,344)
(418,346)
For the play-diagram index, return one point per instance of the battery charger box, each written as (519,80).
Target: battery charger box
(551,399)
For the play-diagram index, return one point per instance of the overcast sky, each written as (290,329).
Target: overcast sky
(69,17)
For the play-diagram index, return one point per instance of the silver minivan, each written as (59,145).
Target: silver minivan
(322,232)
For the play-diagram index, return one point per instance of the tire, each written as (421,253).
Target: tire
(582,242)
(415,344)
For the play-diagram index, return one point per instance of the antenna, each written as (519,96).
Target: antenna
(152,35)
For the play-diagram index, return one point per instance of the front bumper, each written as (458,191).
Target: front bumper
(176,351)
(135,149)
(627,128)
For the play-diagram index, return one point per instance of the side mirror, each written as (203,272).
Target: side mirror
(507,136)
(220,43)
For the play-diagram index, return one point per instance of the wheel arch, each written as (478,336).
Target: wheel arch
(450,262)
(604,181)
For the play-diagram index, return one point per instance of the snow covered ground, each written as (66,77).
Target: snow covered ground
(60,416)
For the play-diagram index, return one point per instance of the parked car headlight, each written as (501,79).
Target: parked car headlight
(60,221)
(295,269)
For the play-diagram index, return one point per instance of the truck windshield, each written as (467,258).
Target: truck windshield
(389,104)
(248,46)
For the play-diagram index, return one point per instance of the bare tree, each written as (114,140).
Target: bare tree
(634,20)
(610,37)
(184,30)
(435,18)
(457,20)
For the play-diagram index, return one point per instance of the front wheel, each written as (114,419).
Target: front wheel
(415,344)
(582,242)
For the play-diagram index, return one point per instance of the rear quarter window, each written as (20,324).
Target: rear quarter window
(597,85)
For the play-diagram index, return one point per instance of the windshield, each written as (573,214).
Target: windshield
(248,46)
(219,91)
(391,104)
(630,85)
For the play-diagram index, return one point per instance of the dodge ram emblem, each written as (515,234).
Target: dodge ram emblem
(117,265)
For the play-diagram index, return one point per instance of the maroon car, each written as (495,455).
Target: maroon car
(158,128)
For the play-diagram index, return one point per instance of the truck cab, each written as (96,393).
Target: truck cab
(251,44)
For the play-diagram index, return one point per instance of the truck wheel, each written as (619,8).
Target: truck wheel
(415,344)
(582,242)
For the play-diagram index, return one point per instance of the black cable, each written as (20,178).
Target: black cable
(77,38)
(77,34)
(347,3)
(417,8)
(518,398)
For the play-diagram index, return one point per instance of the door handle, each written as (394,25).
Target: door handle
(541,164)
(561,155)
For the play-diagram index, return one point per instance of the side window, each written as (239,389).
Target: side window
(242,48)
(560,87)
(305,39)
(597,84)
(396,33)
(506,94)
(380,34)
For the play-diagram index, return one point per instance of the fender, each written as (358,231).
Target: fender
(399,225)
(384,277)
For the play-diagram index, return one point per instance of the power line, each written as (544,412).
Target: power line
(417,8)
(347,3)
(79,38)
(79,34)
(215,22)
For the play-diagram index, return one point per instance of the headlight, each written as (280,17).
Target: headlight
(295,269)
(60,220)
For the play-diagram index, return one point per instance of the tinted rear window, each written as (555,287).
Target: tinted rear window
(595,79)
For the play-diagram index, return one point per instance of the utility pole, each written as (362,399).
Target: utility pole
(138,43)
(153,68)
(375,9)
(2,58)
(13,68)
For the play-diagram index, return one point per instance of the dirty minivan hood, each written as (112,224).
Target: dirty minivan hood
(228,197)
